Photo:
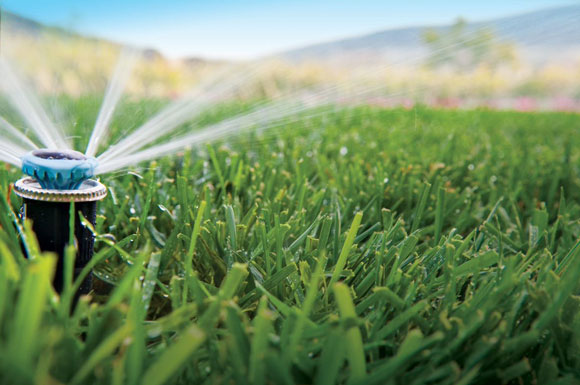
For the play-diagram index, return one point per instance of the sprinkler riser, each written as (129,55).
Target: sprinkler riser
(51,224)
(49,212)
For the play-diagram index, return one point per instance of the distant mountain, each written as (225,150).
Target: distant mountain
(554,30)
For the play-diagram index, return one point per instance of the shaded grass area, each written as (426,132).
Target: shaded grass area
(365,247)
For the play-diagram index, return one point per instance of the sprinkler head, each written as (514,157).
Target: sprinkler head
(58,179)
(58,169)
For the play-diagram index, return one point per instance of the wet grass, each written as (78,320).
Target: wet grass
(366,247)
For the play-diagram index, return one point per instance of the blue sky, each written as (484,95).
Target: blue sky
(245,29)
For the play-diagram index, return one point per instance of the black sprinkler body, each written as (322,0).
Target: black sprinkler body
(57,179)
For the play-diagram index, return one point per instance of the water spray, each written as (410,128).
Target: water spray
(57,178)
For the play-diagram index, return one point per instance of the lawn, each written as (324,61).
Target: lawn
(366,246)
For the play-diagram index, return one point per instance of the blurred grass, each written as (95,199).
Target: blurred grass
(368,246)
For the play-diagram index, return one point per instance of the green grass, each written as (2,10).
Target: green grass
(365,247)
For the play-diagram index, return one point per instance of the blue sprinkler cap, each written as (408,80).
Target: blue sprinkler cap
(58,169)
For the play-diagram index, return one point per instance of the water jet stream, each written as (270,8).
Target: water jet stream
(267,116)
(16,134)
(115,88)
(7,158)
(179,112)
(30,108)
(11,153)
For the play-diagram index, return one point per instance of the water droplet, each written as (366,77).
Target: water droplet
(471,167)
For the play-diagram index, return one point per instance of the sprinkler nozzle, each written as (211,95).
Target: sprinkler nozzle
(58,169)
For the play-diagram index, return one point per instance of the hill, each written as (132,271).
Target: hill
(541,35)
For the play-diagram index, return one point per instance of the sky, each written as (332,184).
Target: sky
(228,29)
